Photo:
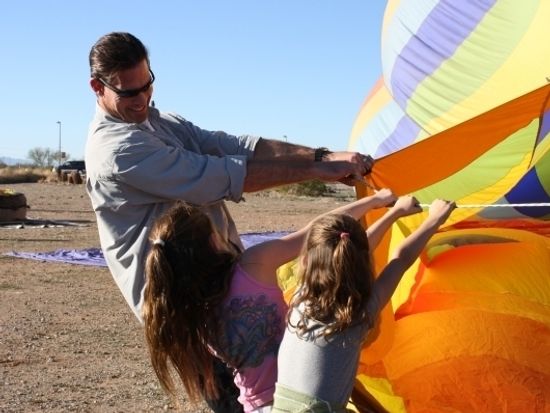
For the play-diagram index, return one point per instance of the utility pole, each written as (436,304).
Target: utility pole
(59,149)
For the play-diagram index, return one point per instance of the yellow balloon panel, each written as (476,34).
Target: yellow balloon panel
(475,327)
(470,360)
(476,268)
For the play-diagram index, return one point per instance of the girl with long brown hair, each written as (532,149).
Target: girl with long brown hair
(336,305)
(203,300)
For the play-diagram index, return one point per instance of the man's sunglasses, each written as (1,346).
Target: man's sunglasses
(129,93)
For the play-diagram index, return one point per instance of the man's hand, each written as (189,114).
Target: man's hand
(340,171)
(364,161)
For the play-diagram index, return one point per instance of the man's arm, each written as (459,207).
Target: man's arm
(269,149)
(264,174)
(278,163)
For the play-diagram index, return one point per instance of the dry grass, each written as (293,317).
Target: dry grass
(68,340)
(29,174)
(25,174)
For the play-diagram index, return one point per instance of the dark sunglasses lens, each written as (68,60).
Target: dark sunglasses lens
(134,92)
(129,93)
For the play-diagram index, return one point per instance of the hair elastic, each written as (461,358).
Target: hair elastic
(159,241)
(344,235)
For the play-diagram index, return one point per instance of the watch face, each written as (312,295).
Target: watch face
(320,154)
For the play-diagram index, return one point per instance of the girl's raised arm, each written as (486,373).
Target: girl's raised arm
(265,258)
(405,205)
(409,251)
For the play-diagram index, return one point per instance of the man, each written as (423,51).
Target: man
(139,161)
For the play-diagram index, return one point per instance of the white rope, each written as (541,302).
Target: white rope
(541,204)
(530,205)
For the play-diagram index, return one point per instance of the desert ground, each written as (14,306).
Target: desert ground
(68,340)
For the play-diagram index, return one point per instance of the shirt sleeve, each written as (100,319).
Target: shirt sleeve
(163,172)
(217,143)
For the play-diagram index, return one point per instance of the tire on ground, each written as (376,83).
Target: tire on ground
(13,207)
(75,178)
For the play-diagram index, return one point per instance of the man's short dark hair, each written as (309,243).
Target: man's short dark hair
(114,52)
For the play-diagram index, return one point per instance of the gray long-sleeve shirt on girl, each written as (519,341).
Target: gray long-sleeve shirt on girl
(319,367)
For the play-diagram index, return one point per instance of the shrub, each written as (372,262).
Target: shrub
(308,188)
(17,175)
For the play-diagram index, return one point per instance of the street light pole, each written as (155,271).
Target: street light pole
(59,149)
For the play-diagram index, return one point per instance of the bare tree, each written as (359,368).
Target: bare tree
(42,157)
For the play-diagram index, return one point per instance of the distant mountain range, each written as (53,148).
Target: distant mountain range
(13,161)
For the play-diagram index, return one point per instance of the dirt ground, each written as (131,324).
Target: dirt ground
(68,340)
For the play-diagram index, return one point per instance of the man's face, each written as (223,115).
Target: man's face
(132,109)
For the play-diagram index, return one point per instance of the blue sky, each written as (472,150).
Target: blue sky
(294,68)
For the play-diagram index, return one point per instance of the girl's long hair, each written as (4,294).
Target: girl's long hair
(187,278)
(336,275)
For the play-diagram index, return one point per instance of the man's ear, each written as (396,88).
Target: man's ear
(96,86)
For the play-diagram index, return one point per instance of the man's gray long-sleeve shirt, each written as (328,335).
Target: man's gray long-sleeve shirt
(135,172)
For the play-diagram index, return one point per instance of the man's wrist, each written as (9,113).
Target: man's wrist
(321,154)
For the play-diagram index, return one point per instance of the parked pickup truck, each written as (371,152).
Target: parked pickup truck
(69,166)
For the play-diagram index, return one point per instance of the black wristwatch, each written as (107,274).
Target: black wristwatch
(321,153)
